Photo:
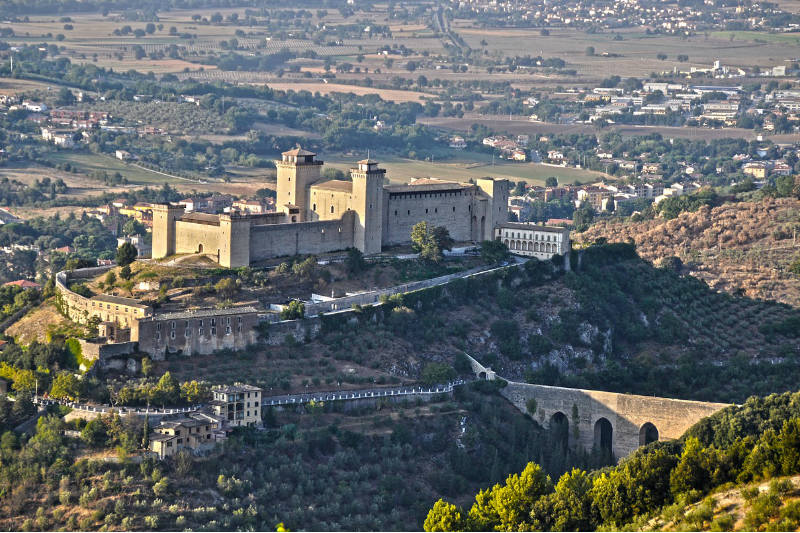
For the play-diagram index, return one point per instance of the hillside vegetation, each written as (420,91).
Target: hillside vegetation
(315,467)
(737,446)
(744,247)
(617,324)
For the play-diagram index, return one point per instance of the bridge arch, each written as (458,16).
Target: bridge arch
(603,435)
(647,433)
(559,429)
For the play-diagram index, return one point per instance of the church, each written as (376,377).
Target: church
(316,215)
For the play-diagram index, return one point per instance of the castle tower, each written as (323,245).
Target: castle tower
(368,205)
(234,251)
(497,210)
(297,169)
(164,217)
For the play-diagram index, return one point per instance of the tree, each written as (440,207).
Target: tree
(493,251)
(111,279)
(133,227)
(226,287)
(167,390)
(429,241)
(293,311)
(147,366)
(444,517)
(126,254)
(437,373)
(354,262)
(94,432)
(583,217)
(125,272)
(65,97)
(66,386)
(551,181)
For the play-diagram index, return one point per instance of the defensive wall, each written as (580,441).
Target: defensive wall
(302,238)
(121,311)
(619,422)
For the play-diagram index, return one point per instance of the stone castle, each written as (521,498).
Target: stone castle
(316,215)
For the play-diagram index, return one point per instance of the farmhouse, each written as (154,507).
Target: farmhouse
(317,216)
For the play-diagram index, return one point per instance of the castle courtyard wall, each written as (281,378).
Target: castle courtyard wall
(190,235)
(302,238)
(451,209)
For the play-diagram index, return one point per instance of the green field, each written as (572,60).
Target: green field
(464,166)
(87,163)
(779,38)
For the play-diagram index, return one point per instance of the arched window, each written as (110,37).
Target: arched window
(331,209)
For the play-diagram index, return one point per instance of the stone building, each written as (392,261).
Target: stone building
(201,331)
(238,404)
(193,431)
(116,310)
(317,216)
(533,240)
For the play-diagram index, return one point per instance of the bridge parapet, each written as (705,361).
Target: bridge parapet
(619,422)
(481,372)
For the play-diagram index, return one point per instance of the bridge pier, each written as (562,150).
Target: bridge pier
(619,423)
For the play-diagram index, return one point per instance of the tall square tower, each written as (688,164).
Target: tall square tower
(368,205)
(296,170)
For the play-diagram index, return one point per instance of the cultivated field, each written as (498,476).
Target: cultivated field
(519,125)
(637,50)
(463,166)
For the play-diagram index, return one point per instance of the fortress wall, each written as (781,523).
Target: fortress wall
(302,238)
(190,235)
(323,200)
(449,209)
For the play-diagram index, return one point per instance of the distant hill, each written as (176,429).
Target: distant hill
(737,247)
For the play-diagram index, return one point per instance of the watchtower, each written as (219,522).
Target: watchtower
(164,217)
(368,205)
(297,169)
(497,211)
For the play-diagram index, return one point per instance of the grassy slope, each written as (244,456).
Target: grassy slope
(734,247)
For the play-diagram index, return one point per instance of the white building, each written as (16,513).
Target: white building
(534,240)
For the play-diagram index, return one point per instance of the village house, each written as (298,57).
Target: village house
(238,404)
(195,431)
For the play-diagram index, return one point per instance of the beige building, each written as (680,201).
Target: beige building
(120,311)
(238,404)
(193,431)
(533,240)
(317,216)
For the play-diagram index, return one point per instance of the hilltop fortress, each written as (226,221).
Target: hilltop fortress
(317,215)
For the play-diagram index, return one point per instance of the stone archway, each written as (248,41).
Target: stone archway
(603,435)
(559,429)
(647,433)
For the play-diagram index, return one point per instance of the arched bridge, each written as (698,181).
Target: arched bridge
(616,422)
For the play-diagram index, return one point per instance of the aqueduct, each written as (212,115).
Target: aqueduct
(608,420)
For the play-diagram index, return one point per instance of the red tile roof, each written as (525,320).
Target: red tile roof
(24,283)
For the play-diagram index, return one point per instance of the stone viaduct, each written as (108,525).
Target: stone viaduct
(607,420)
